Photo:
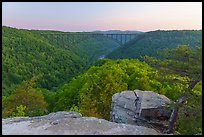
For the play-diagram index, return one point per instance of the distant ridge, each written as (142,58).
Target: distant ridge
(118,31)
(152,42)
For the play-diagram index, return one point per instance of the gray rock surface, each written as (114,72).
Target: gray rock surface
(69,123)
(143,108)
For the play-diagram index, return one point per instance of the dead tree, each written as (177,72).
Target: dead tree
(179,102)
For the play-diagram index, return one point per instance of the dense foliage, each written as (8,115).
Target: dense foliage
(92,91)
(26,53)
(42,74)
(25,100)
(150,43)
(87,46)
(185,62)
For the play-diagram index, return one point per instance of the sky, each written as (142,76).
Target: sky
(91,16)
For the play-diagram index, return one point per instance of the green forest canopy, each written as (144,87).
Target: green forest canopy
(153,42)
(70,77)
(25,53)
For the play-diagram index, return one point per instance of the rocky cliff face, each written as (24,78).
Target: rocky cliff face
(142,108)
(69,123)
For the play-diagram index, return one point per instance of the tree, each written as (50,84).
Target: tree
(27,96)
(20,111)
(185,62)
(101,81)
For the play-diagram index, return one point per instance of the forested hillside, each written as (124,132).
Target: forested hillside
(151,43)
(87,47)
(90,93)
(106,77)
(25,53)
(42,74)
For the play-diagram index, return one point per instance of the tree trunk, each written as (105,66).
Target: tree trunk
(181,100)
(174,114)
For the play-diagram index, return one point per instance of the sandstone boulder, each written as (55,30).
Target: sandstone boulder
(143,108)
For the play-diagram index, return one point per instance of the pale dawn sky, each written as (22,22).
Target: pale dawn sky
(90,16)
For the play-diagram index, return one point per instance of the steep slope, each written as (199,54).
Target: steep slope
(89,48)
(93,48)
(25,55)
(153,42)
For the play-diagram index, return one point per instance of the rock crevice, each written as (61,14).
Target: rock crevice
(142,108)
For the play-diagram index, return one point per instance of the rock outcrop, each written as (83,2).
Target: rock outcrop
(69,123)
(142,108)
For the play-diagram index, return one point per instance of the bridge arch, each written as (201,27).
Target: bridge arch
(75,37)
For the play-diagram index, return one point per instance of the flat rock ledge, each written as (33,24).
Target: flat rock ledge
(69,123)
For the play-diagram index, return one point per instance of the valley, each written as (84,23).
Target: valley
(43,74)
